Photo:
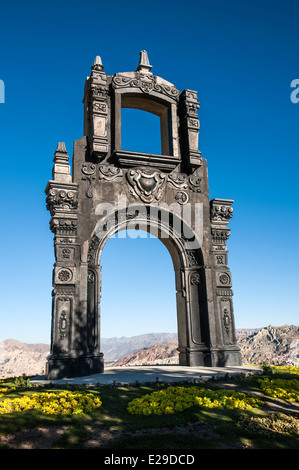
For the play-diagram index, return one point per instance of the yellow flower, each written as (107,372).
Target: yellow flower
(53,403)
(177,399)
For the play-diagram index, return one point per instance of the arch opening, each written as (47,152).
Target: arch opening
(137,258)
(187,262)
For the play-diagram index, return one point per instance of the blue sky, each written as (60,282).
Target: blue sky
(241,57)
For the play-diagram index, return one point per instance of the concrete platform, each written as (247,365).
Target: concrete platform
(142,374)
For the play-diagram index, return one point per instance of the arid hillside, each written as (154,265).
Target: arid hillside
(156,354)
(273,344)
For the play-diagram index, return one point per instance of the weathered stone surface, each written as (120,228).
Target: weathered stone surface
(167,195)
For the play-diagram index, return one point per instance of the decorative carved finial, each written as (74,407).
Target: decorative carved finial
(61,169)
(61,147)
(144,65)
(97,65)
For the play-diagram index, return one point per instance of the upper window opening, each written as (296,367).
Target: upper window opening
(140,131)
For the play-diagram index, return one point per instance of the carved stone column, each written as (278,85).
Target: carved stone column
(196,297)
(96,120)
(62,202)
(190,128)
(224,351)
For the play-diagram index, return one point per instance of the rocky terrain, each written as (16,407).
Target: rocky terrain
(156,354)
(115,348)
(17,358)
(273,344)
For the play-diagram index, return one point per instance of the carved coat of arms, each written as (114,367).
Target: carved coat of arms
(146,184)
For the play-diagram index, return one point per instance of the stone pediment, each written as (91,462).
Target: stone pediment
(145,83)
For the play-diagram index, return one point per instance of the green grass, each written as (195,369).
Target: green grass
(221,428)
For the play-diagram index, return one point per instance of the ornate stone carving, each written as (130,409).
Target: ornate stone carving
(61,200)
(100,92)
(183,181)
(147,83)
(97,106)
(224,292)
(226,320)
(181,197)
(109,173)
(189,105)
(219,237)
(62,324)
(178,181)
(221,210)
(65,240)
(64,310)
(64,226)
(64,290)
(194,183)
(224,279)
(192,261)
(221,259)
(64,275)
(92,250)
(88,170)
(146,184)
(195,278)
(66,253)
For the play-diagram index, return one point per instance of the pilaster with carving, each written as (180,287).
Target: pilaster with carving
(221,212)
(190,129)
(96,107)
(196,296)
(62,203)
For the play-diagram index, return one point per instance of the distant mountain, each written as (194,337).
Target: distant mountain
(114,348)
(272,344)
(243,332)
(17,358)
(156,354)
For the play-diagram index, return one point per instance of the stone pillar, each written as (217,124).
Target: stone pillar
(96,119)
(190,128)
(196,303)
(224,350)
(62,202)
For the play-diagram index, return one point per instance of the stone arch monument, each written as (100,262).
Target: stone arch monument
(111,189)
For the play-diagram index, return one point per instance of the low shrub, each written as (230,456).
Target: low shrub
(284,389)
(279,423)
(63,403)
(176,399)
(290,369)
(5,390)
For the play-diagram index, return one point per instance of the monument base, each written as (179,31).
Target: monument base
(226,357)
(204,357)
(60,368)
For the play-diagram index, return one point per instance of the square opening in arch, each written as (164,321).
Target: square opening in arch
(140,131)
